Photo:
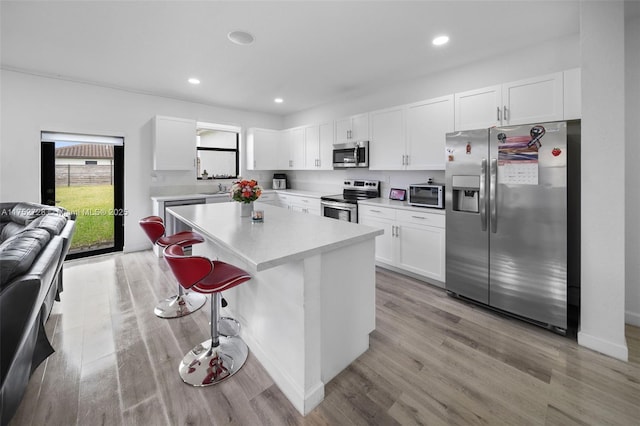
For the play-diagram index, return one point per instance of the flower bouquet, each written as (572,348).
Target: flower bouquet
(245,191)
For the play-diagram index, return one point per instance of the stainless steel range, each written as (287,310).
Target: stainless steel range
(345,206)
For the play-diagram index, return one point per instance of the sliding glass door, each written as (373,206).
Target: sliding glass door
(85,175)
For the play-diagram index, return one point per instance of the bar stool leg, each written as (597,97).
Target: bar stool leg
(216,359)
(180,305)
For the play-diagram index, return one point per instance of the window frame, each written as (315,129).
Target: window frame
(221,128)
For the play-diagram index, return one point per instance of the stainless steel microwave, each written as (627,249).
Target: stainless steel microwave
(351,154)
(426,195)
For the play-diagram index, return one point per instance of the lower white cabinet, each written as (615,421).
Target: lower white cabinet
(413,240)
(270,198)
(299,203)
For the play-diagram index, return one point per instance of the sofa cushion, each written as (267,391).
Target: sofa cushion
(19,251)
(9,230)
(52,223)
(23,213)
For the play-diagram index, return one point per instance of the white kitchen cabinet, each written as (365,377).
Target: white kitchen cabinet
(421,243)
(270,198)
(311,147)
(174,143)
(293,146)
(413,241)
(299,203)
(351,129)
(381,218)
(572,94)
(262,149)
(479,108)
(387,147)
(318,147)
(533,100)
(428,122)
(411,137)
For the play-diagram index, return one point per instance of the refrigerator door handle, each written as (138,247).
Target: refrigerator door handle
(483,195)
(493,192)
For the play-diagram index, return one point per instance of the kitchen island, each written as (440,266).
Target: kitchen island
(307,312)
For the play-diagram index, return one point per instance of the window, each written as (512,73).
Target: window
(217,150)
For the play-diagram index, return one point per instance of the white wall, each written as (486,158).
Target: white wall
(603,199)
(632,221)
(31,104)
(557,55)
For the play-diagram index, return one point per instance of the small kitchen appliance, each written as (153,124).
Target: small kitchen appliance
(351,154)
(345,206)
(279,181)
(426,195)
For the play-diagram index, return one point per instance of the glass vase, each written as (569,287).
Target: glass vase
(246,209)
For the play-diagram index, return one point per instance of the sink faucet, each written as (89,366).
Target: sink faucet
(220,187)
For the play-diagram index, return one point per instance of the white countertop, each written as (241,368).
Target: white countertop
(403,205)
(196,195)
(283,237)
(312,194)
(188,196)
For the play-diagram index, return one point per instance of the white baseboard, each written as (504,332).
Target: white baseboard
(606,347)
(632,318)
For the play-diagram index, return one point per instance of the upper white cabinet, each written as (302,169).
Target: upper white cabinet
(572,94)
(174,143)
(387,150)
(411,137)
(262,149)
(318,147)
(428,122)
(532,100)
(479,108)
(291,155)
(354,128)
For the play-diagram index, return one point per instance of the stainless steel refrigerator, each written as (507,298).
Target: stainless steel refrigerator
(512,205)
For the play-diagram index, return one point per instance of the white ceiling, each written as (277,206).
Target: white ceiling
(309,53)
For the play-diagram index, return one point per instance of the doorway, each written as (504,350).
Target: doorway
(85,175)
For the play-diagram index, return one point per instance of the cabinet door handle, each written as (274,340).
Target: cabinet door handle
(498,113)
(397,232)
(393,230)
(407,161)
(419,217)
(375,211)
(504,115)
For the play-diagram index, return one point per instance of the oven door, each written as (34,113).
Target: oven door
(340,211)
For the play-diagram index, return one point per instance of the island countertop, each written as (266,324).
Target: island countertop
(284,236)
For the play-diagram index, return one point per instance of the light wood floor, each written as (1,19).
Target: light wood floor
(432,360)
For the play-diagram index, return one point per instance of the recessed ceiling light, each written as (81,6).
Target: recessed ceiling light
(241,37)
(194,81)
(278,100)
(440,40)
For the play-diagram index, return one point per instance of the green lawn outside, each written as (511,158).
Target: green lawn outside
(93,206)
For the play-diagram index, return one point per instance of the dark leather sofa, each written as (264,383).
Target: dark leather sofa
(34,241)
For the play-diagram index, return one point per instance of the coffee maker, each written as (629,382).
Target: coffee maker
(279,181)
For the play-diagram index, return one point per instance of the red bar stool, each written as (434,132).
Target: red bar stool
(183,303)
(218,358)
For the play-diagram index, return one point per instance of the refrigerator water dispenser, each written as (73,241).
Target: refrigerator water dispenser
(466,191)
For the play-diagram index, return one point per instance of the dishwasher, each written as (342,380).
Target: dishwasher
(171,224)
